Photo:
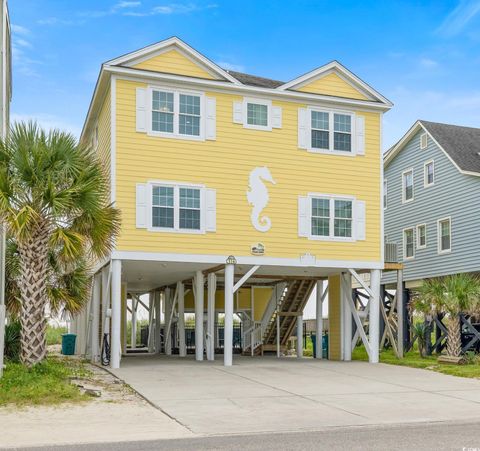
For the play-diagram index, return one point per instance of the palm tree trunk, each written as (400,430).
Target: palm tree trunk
(454,339)
(34,273)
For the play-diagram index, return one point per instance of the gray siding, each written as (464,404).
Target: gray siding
(453,194)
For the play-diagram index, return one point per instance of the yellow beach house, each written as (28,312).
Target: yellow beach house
(239,195)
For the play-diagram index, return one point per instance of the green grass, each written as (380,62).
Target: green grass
(45,384)
(413,359)
(54,334)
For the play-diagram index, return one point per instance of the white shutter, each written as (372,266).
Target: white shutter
(211,121)
(211,210)
(276,117)
(303,219)
(141,110)
(141,211)
(238,112)
(360,135)
(302,128)
(360,221)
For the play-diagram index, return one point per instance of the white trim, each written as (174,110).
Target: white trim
(423,145)
(176,113)
(404,200)
(382,212)
(425,175)
(419,246)
(331,198)
(405,243)
(149,51)
(245,260)
(257,101)
(344,73)
(439,236)
(390,155)
(113,139)
(331,132)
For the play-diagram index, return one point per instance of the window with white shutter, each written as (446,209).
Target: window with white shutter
(173,207)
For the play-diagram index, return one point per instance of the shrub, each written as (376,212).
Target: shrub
(12,341)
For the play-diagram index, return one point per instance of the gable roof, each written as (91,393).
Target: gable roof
(460,144)
(344,73)
(132,58)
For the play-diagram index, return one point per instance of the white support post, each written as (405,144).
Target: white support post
(228,325)
(300,336)
(346,289)
(374,319)
(96,294)
(182,348)
(199,309)
(133,340)
(278,335)
(151,322)
(167,329)
(212,286)
(106,280)
(319,320)
(116,351)
(400,313)
(158,335)
(124,319)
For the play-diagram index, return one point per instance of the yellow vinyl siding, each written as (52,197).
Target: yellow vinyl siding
(105,134)
(225,165)
(333,85)
(334,319)
(173,62)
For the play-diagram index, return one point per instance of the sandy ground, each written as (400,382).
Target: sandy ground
(119,414)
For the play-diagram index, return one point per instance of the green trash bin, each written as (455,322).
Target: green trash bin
(68,344)
(324,345)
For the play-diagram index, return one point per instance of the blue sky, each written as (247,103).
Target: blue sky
(424,56)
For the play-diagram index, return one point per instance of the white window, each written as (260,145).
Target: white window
(407,186)
(408,244)
(175,207)
(331,218)
(385,196)
(421,236)
(257,114)
(331,131)
(444,236)
(176,114)
(423,141)
(429,173)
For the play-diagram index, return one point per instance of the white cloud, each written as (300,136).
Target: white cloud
(18,29)
(58,21)
(231,66)
(47,121)
(23,43)
(459,18)
(428,63)
(171,8)
(126,4)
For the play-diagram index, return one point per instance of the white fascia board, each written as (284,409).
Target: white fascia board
(171,42)
(388,157)
(242,89)
(245,260)
(348,76)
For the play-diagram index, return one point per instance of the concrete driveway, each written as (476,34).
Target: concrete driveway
(264,394)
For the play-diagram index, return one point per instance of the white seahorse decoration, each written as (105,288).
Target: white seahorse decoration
(257,196)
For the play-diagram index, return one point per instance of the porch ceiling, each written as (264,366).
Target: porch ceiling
(144,276)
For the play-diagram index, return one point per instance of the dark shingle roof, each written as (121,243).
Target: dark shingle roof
(462,144)
(253,80)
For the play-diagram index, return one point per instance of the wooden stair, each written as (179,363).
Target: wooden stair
(291,304)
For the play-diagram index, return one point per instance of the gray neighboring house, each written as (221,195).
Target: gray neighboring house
(432,200)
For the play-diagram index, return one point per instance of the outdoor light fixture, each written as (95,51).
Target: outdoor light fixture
(231,260)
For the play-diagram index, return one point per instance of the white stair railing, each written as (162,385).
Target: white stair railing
(277,294)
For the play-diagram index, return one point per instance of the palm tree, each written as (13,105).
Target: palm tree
(451,295)
(53,198)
